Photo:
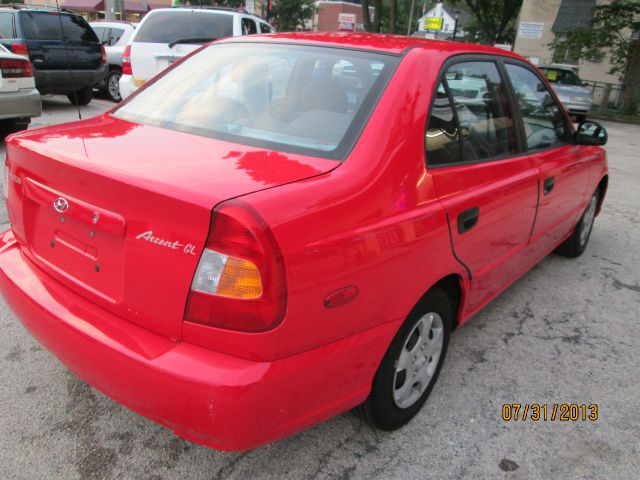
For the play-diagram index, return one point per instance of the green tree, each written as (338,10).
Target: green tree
(492,21)
(288,15)
(613,33)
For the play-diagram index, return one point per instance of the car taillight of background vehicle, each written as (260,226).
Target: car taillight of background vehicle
(104,54)
(126,61)
(20,49)
(15,68)
(240,282)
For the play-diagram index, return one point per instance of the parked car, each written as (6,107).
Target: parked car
(19,99)
(68,64)
(165,35)
(114,36)
(243,248)
(575,94)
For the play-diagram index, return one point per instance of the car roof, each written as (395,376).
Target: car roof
(221,10)
(393,44)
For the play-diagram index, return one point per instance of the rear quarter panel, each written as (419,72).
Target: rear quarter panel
(373,222)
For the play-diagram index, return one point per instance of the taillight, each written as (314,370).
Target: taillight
(126,61)
(15,68)
(104,54)
(20,49)
(239,283)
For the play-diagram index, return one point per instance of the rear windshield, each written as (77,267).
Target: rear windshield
(46,26)
(309,100)
(565,77)
(167,27)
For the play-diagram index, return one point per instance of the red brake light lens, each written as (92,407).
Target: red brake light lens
(126,61)
(239,283)
(104,54)
(15,68)
(20,49)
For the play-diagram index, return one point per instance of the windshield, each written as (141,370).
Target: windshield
(560,76)
(310,100)
(169,26)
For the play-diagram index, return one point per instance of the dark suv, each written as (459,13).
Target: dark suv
(68,67)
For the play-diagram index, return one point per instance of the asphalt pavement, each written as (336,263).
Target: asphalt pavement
(567,332)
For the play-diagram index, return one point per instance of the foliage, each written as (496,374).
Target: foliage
(606,34)
(492,21)
(289,15)
(610,34)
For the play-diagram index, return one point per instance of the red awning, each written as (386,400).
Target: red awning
(133,6)
(84,5)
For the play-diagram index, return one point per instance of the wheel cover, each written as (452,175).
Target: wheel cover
(113,85)
(418,360)
(587,221)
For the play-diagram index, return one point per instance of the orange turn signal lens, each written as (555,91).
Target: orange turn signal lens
(227,276)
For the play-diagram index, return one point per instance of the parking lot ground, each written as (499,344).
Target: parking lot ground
(567,332)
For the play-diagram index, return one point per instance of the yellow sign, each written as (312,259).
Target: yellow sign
(552,75)
(432,23)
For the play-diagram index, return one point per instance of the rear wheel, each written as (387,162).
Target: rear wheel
(112,85)
(411,365)
(576,244)
(82,96)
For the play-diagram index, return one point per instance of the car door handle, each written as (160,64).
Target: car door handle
(468,219)
(549,183)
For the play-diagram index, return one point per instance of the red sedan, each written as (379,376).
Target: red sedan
(280,228)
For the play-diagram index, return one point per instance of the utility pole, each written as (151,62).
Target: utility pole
(110,10)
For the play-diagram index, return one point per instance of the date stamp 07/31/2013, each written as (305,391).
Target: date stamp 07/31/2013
(542,412)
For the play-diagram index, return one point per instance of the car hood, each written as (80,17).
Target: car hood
(575,90)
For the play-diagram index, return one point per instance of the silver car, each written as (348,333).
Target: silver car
(114,36)
(571,91)
(19,99)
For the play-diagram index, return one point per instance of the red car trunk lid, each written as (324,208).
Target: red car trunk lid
(120,212)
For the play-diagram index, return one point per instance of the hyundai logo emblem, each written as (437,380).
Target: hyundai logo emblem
(60,204)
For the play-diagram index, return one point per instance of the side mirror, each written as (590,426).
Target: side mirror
(590,133)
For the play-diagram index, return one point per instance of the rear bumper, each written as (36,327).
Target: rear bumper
(126,86)
(23,103)
(59,81)
(211,398)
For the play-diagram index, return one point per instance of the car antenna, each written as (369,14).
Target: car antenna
(66,49)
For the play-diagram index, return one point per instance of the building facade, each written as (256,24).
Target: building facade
(542,21)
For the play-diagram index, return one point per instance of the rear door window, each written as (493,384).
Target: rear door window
(46,26)
(6,25)
(171,26)
(248,27)
(486,126)
(544,124)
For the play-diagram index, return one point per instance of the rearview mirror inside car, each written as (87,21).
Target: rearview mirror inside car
(590,133)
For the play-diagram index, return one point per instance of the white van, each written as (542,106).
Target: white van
(167,34)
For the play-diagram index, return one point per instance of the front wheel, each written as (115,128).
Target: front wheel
(411,365)
(81,97)
(575,245)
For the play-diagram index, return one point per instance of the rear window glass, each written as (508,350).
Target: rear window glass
(299,99)
(167,27)
(101,32)
(6,25)
(566,77)
(46,26)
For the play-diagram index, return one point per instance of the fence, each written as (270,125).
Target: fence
(607,97)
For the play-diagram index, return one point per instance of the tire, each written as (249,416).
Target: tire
(112,86)
(14,125)
(81,97)
(395,398)
(576,244)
